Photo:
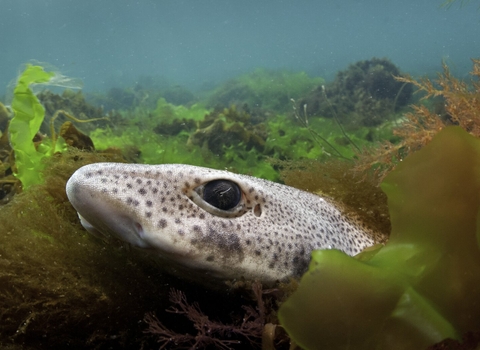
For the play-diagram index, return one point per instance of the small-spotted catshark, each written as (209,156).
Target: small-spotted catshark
(226,225)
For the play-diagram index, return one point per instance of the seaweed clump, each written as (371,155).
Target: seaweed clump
(365,94)
(73,103)
(461,106)
(247,330)
(230,127)
(58,285)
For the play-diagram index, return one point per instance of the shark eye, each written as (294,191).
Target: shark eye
(222,194)
(222,198)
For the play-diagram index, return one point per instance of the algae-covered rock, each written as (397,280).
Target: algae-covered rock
(75,138)
(365,93)
(226,128)
(423,286)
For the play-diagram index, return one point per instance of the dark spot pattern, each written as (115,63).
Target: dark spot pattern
(162,223)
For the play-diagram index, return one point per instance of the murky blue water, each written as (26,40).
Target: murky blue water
(200,42)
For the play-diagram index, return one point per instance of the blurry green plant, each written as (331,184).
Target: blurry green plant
(423,286)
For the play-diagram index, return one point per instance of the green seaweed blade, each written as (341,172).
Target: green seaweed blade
(28,116)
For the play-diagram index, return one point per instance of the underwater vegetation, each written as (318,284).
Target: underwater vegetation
(239,138)
(59,285)
(460,105)
(223,129)
(422,287)
(74,103)
(445,101)
(232,138)
(264,89)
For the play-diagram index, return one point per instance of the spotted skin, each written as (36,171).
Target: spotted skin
(268,237)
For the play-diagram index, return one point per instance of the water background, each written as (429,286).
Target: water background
(199,43)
